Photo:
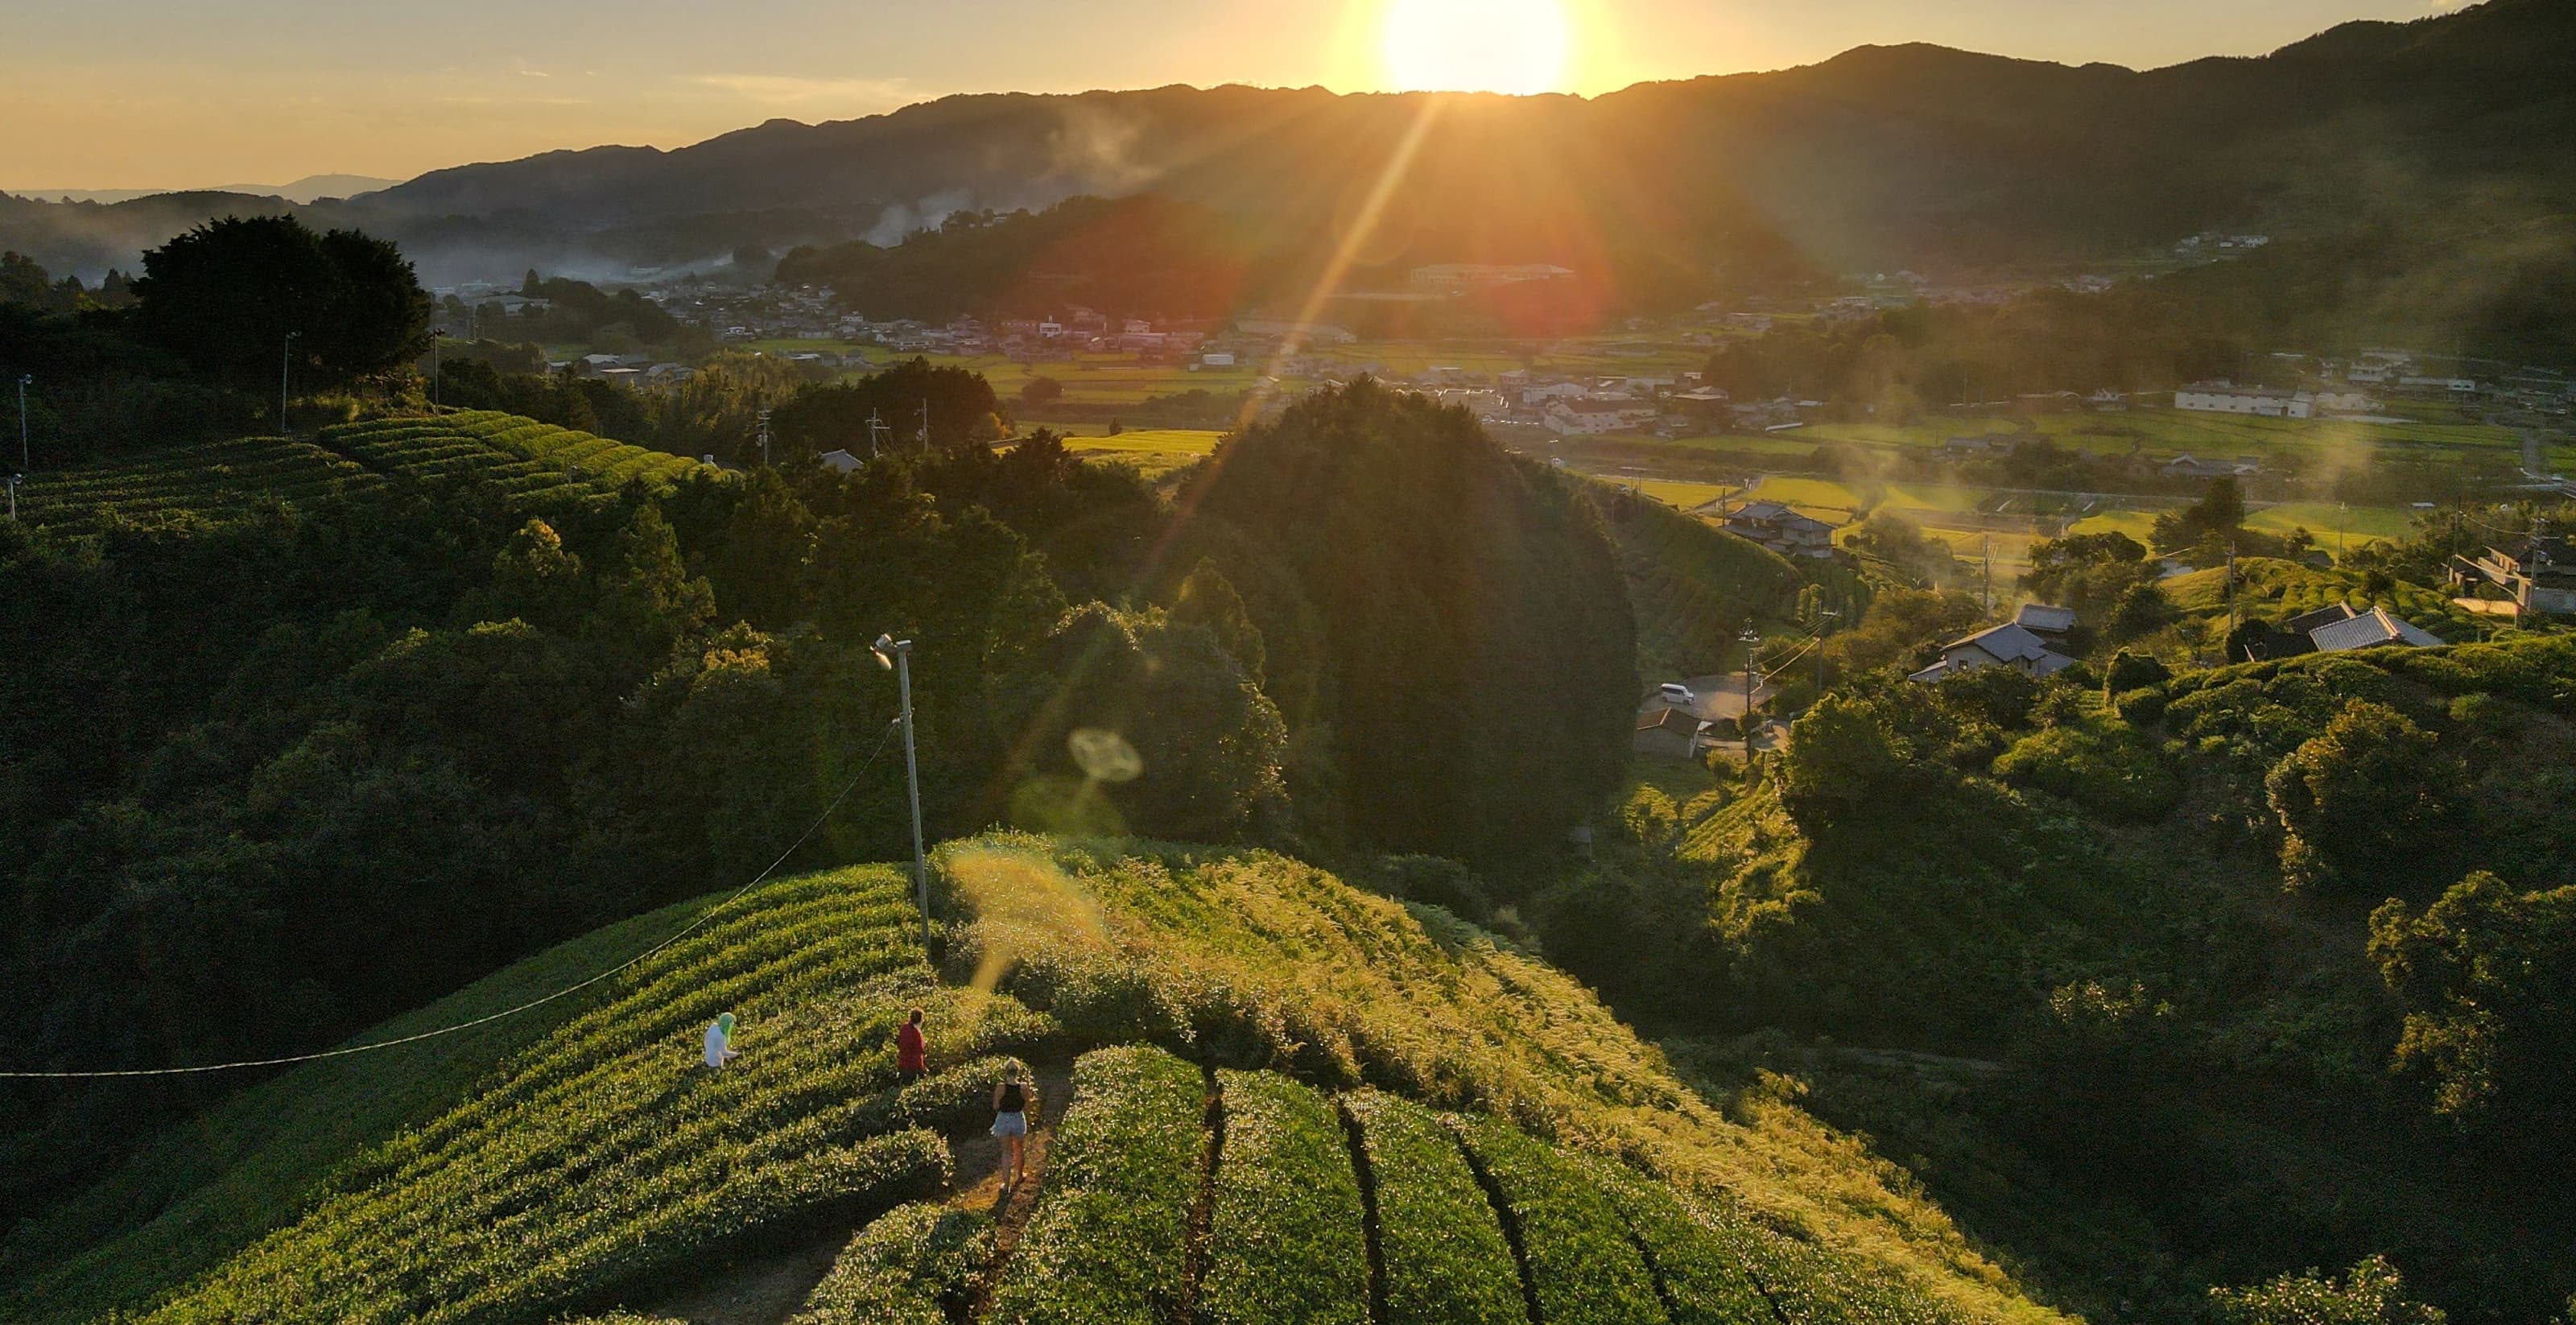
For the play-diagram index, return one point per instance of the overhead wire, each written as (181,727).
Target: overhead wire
(532,1004)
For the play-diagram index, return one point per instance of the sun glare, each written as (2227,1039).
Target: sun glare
(1516,46)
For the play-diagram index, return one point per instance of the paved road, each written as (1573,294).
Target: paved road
(1719,697)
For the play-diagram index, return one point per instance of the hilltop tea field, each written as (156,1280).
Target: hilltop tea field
(1290,1101)
(225,482)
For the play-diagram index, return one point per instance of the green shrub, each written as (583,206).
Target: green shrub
(1287,1240)
(2135,671)
(1446,1262)
(907,1268)
(1583,1265)
(2110,769)
(1108,1243)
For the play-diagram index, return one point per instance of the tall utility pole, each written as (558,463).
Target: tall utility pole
(764,438)
(1752,639)
(24,381)
(2231,603)
(877,429)
(285,366)
(1990,574)
(925,423)
(897,654)
(13,497)
(1823,615)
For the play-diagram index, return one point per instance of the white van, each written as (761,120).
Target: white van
(1677,695)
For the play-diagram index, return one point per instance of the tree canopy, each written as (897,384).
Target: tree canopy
(225,296)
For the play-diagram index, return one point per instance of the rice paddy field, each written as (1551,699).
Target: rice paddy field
(1103,379)
(2163,434)
(1154,452)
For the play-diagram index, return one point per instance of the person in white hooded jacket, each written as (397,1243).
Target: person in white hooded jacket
(720,1050)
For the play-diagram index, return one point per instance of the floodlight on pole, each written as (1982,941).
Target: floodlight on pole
(896,655)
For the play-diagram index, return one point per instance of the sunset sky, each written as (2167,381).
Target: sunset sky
(98,94)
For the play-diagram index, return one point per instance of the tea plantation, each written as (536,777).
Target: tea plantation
(217,482)
(519,457)
(523,461)
(1291,1101)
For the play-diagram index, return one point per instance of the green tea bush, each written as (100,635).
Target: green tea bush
(1108,1242)
(1702,1281)
(214,482)
(605,1155)
(1446,1262)
(909,1267)
(1808,1285)
(1582,1263)
(1287,1237)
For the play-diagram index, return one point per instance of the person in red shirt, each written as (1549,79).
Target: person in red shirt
(911,1049)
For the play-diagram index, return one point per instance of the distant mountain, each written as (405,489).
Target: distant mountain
(311,188)
(1883,157)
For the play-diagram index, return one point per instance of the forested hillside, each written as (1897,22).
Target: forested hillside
(518,682)
(2226,973)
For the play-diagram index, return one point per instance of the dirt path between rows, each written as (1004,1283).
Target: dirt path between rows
(769,1288)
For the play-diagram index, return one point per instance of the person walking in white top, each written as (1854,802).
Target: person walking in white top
(720,1050)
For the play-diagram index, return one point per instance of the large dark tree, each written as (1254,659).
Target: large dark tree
(1478,641)
(961,404)
(225,295)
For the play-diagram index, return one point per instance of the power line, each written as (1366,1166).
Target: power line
(532,1004)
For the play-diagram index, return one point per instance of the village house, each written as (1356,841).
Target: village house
(2262,401)
(1589,418)
(2364,630)
(2192,467)
(2007,645)
(1670,733)
(1782,530)
(2051,624)
(2538,580)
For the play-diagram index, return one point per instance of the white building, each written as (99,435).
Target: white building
(1586,418)
(2267,402)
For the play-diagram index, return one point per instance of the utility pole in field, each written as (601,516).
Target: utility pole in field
(1990,574)
(897,655)
(285,368)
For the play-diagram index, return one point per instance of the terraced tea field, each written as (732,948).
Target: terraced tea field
(214,483)
(1288,1102)
(520,458)
(220,483)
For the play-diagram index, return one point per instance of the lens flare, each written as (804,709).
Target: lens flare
(1515,46)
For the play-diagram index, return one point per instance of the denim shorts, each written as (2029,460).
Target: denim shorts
(1010,1124)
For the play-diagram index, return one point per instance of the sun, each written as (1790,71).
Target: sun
(1516,46)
